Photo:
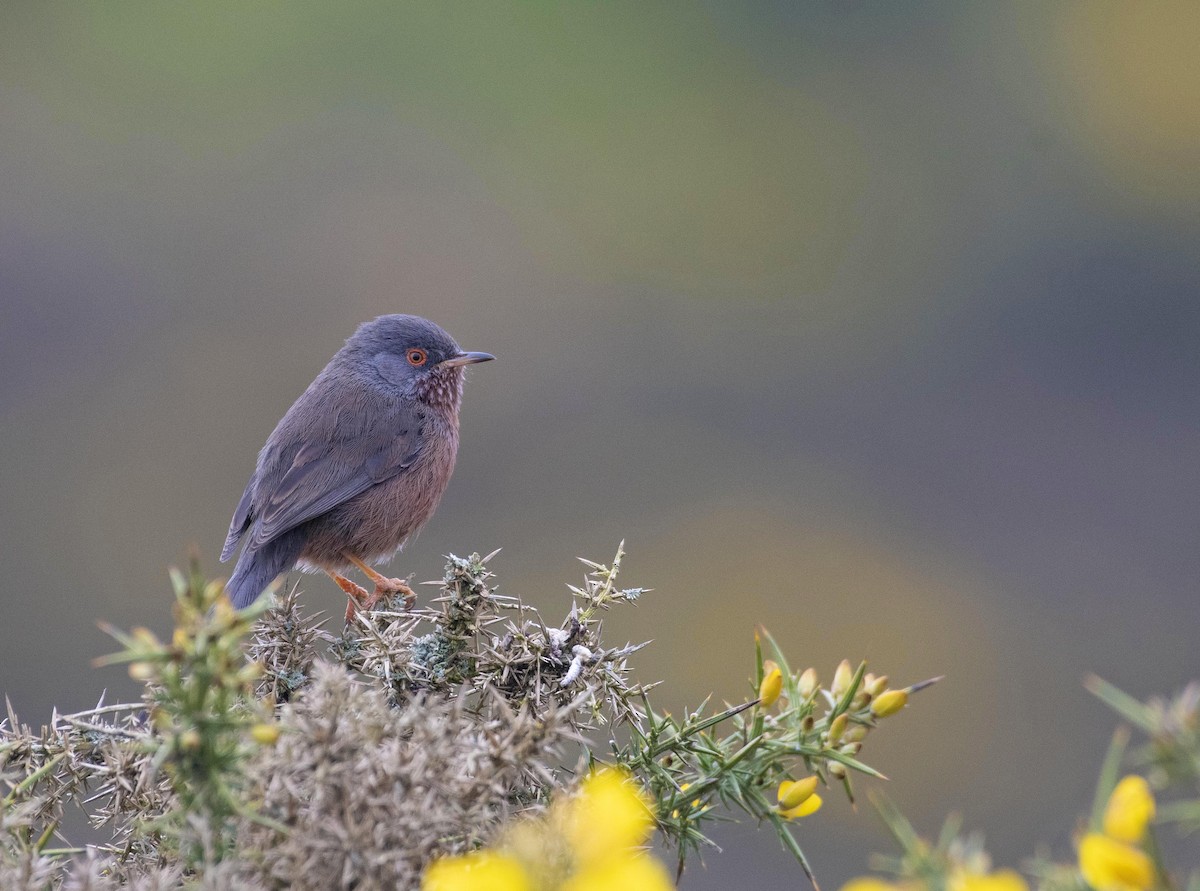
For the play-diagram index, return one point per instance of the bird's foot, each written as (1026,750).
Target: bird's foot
(386,588)
(357,595)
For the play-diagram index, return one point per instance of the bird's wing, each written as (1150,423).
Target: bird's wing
(240,522)
(334,462)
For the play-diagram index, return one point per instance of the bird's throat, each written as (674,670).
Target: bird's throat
(442,389)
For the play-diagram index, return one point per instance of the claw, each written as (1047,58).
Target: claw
(384,586)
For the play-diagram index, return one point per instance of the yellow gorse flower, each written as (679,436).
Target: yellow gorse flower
(1111,865)
(792,794)
(481,871)
(625,872)
(1130,810)
(889,703)
(808,806)
(589,842)
(1001,880)
(695,805)
(869,883)
(772,684)
(1112,860)
(611,814)
(959,880)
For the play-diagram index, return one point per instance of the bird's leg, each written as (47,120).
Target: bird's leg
(359,598)
(384,586)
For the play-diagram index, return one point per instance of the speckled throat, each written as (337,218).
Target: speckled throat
(441,388)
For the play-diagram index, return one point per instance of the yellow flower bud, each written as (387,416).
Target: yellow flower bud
(837,727)
(1130,810)
(1110,865)
(771,686)
(877,685)
(683,787)
(889,702)
(141,671)
(841,679)
(224,613)
(792,794)
(837,770)
(189,740)
(145,637)
(810,805)
(855,733)
(807,685)
(180,639)
(265,734)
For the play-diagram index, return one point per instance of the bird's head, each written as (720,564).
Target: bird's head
(413,355)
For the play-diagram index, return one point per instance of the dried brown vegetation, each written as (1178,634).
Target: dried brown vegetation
(268,753)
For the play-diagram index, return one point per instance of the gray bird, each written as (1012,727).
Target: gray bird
(357,464)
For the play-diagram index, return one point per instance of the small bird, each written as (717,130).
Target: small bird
(356,465)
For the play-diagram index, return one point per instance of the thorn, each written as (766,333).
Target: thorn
(921,685)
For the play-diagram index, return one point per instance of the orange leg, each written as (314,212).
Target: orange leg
(359,598)
(384,586)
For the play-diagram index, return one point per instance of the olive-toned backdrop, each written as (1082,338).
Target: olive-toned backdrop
(875,324)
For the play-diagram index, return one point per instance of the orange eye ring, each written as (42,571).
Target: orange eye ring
(416,356)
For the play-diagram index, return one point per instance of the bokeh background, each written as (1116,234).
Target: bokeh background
(877,324)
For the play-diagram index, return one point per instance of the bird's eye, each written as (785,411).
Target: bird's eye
(417,357)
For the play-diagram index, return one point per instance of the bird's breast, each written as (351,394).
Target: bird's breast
(403,503)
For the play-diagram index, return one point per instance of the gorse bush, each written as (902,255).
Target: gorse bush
(470,744)
(446,744)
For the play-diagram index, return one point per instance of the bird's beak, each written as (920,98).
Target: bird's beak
(466,359)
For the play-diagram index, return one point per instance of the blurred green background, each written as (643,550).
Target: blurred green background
(877,324)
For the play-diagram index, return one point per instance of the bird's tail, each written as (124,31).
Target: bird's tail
(257,569)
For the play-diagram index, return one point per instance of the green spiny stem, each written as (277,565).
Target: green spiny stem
(662,746)
(30,781)
(45,836)
(843,704)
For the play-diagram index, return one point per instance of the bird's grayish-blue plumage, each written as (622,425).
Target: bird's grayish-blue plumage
(360,460)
